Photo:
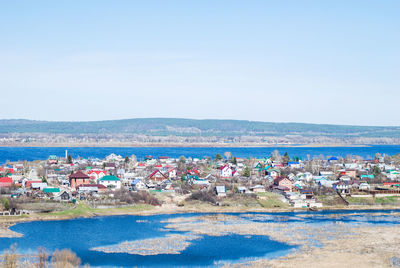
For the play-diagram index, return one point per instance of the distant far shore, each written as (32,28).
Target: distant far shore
(177,145)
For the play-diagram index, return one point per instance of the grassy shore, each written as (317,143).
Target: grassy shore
(84,210)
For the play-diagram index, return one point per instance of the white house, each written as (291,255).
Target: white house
(110,181)
(172,173)
(96,174)
(225,171)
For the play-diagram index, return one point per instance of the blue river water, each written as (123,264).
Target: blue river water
(35,153)
(83,234)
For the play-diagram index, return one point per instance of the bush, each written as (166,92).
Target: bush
(64,258)
(10,257)
(125,196)
(6,203)
(204,196)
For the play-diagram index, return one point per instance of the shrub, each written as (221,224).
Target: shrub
(42,256)
(10,257)
(204,196)
(6,203)
(64,259)
(125,196)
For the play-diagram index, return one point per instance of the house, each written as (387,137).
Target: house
(28,184)
(351,173)
(5,182)
(138,185)
(172,173)
(242,190)
(364,186)
(96,174)
(235,173)
(367,176)
(203,183)
(110,166)
(341,187)
(64,196)
(39,185)
(283,182)
(220,191)
(110,181)
(225,171)
(52,160)
(158,176)
(258,189)
(91,188)
(78,178)
(51,190)
(274,173)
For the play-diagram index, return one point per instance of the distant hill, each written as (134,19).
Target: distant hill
(192,127)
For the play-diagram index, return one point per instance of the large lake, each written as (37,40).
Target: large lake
(34,153)
(83,235)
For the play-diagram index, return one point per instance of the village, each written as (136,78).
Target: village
(273,182)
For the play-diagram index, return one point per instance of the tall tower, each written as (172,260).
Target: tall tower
(66,154)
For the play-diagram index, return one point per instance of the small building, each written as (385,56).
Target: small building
(64,196)
(341,187)
(28,184)
(39,185)
(220,191)
(91,188)
(364,186)
(258,189)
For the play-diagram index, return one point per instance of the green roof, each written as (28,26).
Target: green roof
(52,157)
(51,190)
(109,178)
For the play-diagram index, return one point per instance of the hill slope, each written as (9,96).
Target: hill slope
(191,127)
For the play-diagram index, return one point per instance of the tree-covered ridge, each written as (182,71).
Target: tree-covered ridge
(192,127)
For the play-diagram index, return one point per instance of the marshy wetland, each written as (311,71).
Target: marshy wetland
(258,239)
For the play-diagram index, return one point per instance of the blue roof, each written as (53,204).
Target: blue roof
(134,182)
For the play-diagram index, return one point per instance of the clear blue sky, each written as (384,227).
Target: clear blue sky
(282,61)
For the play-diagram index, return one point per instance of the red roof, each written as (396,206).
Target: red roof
(5,180)
(391,183)
(221,168)
(97,171)
(29,183)
(79,175)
